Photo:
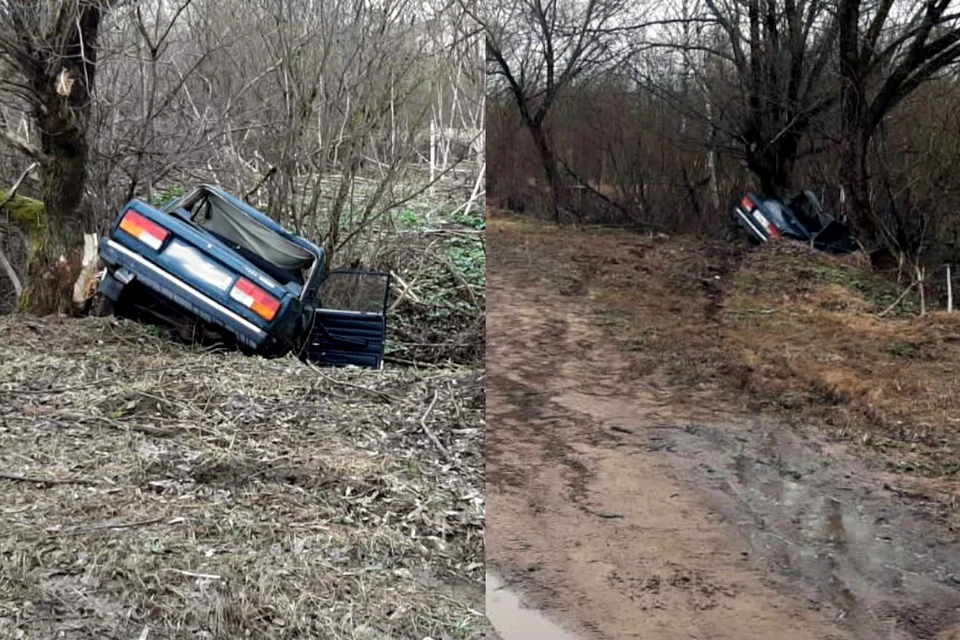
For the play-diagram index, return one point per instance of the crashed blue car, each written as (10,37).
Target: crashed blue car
(214,267)
(800,218)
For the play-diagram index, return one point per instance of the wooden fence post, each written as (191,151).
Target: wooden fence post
(923,300)
(949,292)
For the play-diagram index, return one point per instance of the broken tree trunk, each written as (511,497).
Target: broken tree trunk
(86,284)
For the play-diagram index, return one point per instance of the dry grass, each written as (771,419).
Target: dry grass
(155,490)
(806,329)
(780,328)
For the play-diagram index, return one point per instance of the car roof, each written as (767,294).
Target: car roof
(263,218)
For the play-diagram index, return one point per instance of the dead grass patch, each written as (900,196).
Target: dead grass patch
(153,486)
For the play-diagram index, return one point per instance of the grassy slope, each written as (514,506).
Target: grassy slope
(806,329)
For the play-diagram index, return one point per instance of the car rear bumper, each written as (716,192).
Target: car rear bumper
(169,286)
(751,225)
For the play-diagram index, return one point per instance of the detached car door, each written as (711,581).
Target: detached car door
(350,320)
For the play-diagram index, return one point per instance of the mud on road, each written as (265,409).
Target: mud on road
(621,511)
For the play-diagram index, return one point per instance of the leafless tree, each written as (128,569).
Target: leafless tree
(887,50)
(538,49)
(317,111)
(776,57)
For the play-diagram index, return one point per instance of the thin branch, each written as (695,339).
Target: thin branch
(426,429)
(13,477)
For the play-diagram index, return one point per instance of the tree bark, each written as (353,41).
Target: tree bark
(548,161)
(855,178)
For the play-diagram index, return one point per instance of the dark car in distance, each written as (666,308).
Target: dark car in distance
(801,217)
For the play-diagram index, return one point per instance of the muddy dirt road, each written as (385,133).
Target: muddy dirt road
(621,513)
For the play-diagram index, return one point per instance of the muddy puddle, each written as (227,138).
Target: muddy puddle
(513,621)
(826,527)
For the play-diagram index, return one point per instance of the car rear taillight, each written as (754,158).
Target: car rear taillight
(146,231)
(255,299)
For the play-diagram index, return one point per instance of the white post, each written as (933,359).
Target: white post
(923,300)
(433,152)
(949,292)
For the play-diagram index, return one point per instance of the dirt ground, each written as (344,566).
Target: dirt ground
(153,490)
(637,486)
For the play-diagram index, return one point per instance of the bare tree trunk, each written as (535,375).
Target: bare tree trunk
(712,156)
(56,252)
(855,179)
(62,80)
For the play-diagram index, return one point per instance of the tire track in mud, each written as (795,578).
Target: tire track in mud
(825,519)
(624,516)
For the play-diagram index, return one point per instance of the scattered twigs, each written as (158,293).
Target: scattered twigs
(124,426)
(426,429)
(353,385)
(258,451)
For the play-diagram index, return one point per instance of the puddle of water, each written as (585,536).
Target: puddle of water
(513,621)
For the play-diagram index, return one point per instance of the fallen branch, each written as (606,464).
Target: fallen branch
(191,574)
(21,145)
(430,434)
(109,525)
(477,187)
(16,185)
(897,301)
(411,363)
(405,291)
(465,233)
(461,281)
(13,477)
(269,174)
